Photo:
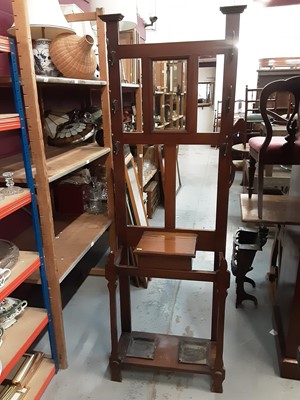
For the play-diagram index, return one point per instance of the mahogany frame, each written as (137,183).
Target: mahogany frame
(118,271)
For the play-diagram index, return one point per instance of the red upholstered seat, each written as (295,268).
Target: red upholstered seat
(278,149)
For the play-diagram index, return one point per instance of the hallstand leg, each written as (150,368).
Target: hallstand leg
(115,370)
(111,276)
(222,284)
(217,381)
(215,316)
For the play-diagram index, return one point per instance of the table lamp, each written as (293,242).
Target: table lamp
(46,21)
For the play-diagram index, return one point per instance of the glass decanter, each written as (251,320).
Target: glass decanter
(10,188)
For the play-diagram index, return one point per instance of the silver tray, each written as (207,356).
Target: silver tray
(9,254)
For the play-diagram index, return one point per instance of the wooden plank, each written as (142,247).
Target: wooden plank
(12,203)
(276,209)
(4,44)
(59,161)
(9,121)
(27,263)
(18,337)
(73,240)
(40,380)
(68,81)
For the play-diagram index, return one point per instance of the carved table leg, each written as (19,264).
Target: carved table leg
(244,260)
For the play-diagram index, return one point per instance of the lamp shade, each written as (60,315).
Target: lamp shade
(46,19)
(127,8)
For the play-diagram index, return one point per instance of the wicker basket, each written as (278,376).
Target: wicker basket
(73,55)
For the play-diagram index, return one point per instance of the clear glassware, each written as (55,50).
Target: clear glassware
(95,202)
(2,196)
(10,185)
(9,254)
(94,205)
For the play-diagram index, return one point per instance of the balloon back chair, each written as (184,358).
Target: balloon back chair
(272,150)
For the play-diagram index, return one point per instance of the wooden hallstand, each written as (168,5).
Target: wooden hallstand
(152,350)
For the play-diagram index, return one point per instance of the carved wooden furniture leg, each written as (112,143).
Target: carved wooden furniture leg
(251,172)
(260,189)
(222,284)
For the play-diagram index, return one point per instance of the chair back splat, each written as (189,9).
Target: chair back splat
(271,149)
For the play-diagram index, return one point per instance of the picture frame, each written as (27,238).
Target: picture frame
(135,194)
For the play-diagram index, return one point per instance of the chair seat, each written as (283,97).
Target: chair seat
(279,151)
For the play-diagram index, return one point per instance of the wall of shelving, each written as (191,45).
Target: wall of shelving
(27,326)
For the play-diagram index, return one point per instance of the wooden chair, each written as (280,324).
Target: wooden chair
(271,150)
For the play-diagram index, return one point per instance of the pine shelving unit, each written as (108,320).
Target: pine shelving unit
(66,240)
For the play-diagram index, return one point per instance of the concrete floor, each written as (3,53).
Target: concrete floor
(181,308)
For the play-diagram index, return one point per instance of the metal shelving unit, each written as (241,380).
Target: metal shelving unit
(20,336)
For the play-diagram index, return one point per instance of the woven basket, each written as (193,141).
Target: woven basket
(73,55)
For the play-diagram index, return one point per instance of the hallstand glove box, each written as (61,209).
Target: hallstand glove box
(166,250)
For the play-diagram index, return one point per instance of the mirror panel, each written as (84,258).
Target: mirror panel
(197,193)
(169,82)
(207,85)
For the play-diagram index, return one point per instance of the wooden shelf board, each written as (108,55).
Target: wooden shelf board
(18,337)
(27,263)
(60,161)
(4,44)
(12,203)
(68,81)
(130,85)
(73,240)
(40,380)
(276,209)
(9,122)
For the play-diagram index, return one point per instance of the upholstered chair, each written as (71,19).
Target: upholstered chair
(272,150)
